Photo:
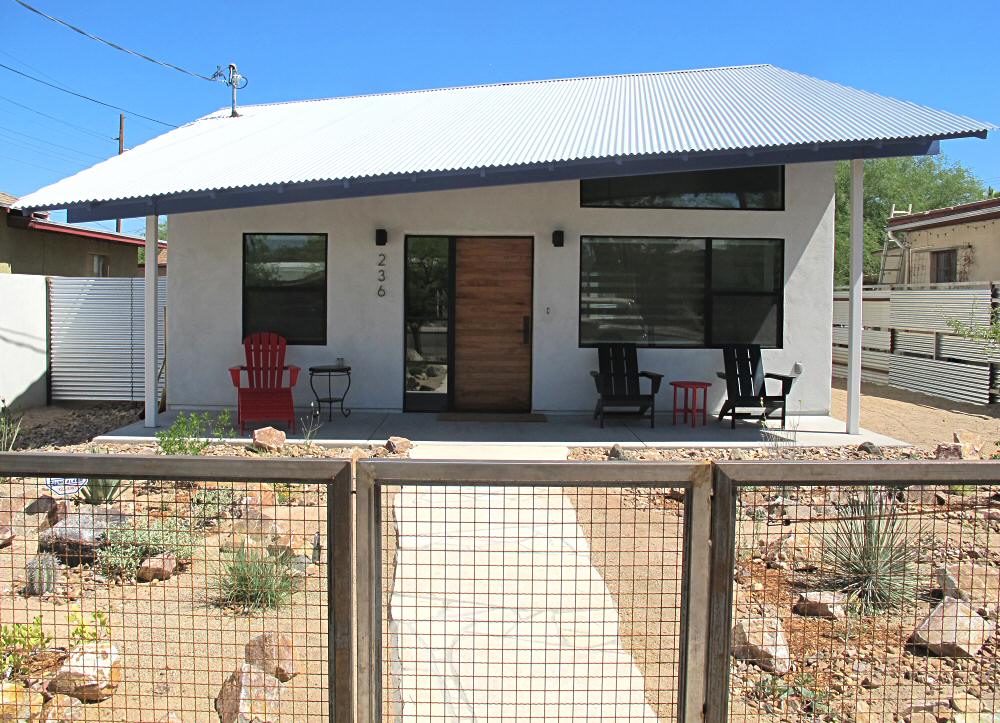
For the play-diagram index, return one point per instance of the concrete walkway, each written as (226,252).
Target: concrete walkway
(498,614)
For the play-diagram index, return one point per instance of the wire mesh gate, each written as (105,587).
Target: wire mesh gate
(519,592)
(855,591)
(154,588)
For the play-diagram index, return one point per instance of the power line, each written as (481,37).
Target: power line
(78,128)
(29,163)
(212,78)
(50,143)
(85,97)
(36,148)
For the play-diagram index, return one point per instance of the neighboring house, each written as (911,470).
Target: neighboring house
(161,263)
(467,248)
(946,245)
(33,244)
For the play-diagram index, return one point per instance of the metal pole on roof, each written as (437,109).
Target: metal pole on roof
(151,320)
(854,322)
(234,81)
(121,149)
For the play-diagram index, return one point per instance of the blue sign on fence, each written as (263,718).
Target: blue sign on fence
(65,486)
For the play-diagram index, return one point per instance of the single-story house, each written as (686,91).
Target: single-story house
(947,245)
(466,248)
(35,244)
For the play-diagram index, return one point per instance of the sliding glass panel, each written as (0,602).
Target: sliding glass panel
(744,319)
(649,291)
(427,307)
(746,265)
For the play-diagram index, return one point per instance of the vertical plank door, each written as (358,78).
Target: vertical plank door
(493,284)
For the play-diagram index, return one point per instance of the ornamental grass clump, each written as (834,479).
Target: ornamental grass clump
(870,554)
(254,580)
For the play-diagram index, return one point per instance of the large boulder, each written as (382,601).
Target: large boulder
(822,604)
(273,653)
(975,584)
(249,695)
(953,629)
(90,673)
(77,538)
(61,709)
(268,439)
(18,703)
(760,639)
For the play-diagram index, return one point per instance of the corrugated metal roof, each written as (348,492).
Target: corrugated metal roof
(502,126)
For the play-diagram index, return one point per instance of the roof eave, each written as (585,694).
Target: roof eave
(242,197)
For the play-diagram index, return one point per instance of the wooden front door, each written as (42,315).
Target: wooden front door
(492,360)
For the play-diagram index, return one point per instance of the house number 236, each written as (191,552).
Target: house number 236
(380,274)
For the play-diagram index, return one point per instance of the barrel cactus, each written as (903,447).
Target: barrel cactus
(42,575)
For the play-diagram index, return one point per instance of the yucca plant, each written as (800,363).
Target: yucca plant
(870,554)
(102,491)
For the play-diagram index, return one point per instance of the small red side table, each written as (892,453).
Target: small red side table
(691,405)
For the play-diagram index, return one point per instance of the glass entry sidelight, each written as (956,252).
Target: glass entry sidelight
(427,321)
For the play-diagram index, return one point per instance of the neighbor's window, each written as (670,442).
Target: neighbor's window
(759,188)
(99,265)
(944,266)
(681,292)
(284,285)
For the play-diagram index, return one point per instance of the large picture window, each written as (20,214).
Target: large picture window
(681,292)
(760,188)
(284,285)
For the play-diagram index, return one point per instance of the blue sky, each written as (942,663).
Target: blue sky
(921,51)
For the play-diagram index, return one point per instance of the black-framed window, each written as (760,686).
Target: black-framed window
(759,188)
(284,285)
(944,266)
(681,292)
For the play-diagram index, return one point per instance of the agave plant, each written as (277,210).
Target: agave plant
(102,491)
(870,554)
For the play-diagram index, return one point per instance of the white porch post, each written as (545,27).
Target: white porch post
(150,301)
(856,279)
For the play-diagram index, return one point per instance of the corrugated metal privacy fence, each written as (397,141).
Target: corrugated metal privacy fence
(907,342)
(96,329)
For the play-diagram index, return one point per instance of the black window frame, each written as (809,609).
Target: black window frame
(709,293)
(779,208)
(326,284)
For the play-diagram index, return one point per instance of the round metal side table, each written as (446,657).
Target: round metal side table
(330,371)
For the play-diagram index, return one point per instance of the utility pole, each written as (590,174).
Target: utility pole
(121,149)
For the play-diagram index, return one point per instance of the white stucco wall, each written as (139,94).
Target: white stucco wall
(23,340)
(204,314)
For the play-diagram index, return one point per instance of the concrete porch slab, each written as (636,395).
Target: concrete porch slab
(475,440)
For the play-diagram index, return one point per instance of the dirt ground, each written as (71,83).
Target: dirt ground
(73,423)
(917,418)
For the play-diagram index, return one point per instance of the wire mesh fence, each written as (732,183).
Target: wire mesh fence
(531,602)
(866,602)
(132,599)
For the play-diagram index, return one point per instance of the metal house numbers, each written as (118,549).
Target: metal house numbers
(380,274)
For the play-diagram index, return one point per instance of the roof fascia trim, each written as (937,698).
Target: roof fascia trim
(196,201)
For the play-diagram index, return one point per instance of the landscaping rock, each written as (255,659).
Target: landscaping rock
(398,445)
(966,704)
(6,535)
(301,566)
(972,444)
(617,452)
(975,584)
(77,538)
(760,639)
(91,673)
(54,515)
(268,439)
(273,654)
(869,447)
(6,528)
(249,695)
(159,567)
(822,604)
(18,703)
(949,451)
(40,505)
(953,629)
(61,709)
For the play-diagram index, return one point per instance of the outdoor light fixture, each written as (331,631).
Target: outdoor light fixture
(558,238)
(381,237)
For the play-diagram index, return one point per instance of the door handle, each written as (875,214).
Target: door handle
(526,330)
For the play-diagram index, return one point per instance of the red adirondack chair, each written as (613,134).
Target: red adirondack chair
(264,398)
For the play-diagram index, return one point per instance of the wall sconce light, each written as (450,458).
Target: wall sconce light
(558,238)
(381,237)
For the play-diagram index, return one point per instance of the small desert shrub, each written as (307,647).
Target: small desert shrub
(125,548)
(17,643)
(102,491)
(88,630)
(870,554)
(190,433)
(10,427)
(209,505)
(254,580)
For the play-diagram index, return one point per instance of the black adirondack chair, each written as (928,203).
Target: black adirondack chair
(617,381)
(746,386)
